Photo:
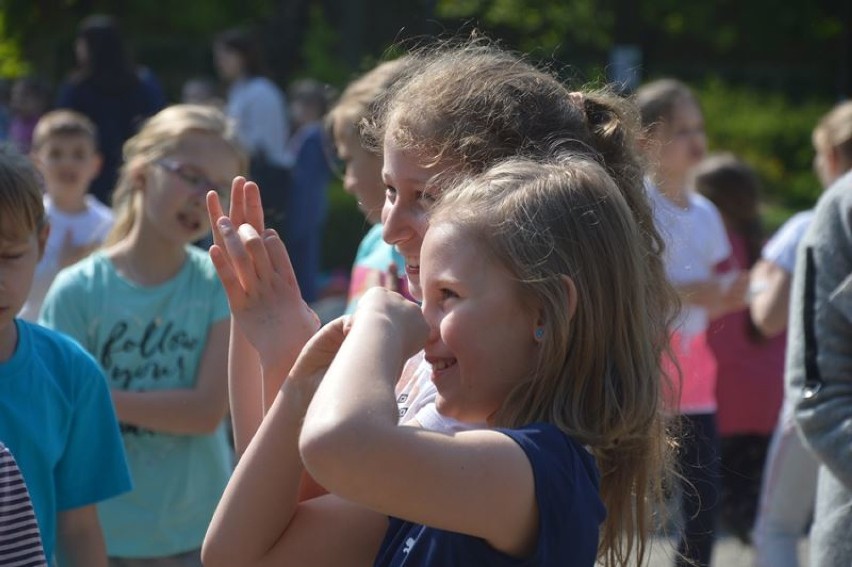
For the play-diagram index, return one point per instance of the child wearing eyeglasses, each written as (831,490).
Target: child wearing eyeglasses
(66,154)
(150,308)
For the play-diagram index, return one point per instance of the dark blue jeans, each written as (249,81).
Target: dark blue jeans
(698,463)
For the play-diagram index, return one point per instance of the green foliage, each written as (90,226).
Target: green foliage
(537,25)
(769,132)
(12,63)
(318,50)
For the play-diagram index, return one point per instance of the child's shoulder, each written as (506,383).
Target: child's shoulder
(56,351)
(543,433)
(703,206)
(546,442)
(94,211)
(566,473)
(98,209)
(89,269)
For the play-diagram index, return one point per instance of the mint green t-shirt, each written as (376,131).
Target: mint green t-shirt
(150,338)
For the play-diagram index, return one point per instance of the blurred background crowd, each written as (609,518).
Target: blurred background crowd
(764,72)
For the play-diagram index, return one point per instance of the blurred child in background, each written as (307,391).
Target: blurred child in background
(55,410)
(790,478)
(376,262)
(150,308)
(674,142)
(65,152)
(308,198)
(30,98)
(750,366)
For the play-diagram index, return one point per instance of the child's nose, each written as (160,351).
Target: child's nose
(396,226)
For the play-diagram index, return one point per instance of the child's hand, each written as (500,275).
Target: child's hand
(735,290)
(258,277)
(70,254)
(379,306)
(245,208)
(317,355)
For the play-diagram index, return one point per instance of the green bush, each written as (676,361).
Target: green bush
(771,133)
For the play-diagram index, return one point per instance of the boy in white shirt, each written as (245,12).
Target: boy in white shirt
(65,152)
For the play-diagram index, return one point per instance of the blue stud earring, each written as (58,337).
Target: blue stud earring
(539,333)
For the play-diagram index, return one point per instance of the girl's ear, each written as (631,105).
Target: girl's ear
(571,289)
(834,163)
(139,177)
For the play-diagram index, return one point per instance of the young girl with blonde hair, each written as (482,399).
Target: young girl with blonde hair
(151,310)
(466,108)
(528,332)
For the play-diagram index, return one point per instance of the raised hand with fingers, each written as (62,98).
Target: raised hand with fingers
(257,275)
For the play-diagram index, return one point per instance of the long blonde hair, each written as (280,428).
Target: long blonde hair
(598,377)
(834,131)
(160,135)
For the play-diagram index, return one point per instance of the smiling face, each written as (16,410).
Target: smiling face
(174,205)
(362,177)
(408,199)
(482,335)
(68,163)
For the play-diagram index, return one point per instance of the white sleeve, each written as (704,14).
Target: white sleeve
(721,247)
(781,248)
(429,418)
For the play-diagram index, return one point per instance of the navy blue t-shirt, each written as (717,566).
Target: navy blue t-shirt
(567,489)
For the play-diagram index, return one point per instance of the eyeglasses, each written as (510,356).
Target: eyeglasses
(199,183)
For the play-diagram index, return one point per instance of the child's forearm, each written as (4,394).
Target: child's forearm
(262,495)
(353,405)
(178,412)
(253,387)
(80,539)
(770,307)
(245,386)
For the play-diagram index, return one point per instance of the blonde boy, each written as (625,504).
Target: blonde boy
(56,414)
(65,151)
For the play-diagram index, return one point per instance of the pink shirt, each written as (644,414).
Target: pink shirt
(750,374)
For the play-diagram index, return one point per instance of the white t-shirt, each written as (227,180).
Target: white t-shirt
(259,110)
(86,228)
(415,398)
(696,242)
(781,248)
(414,389)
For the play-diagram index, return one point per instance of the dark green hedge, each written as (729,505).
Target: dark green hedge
(773,134)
